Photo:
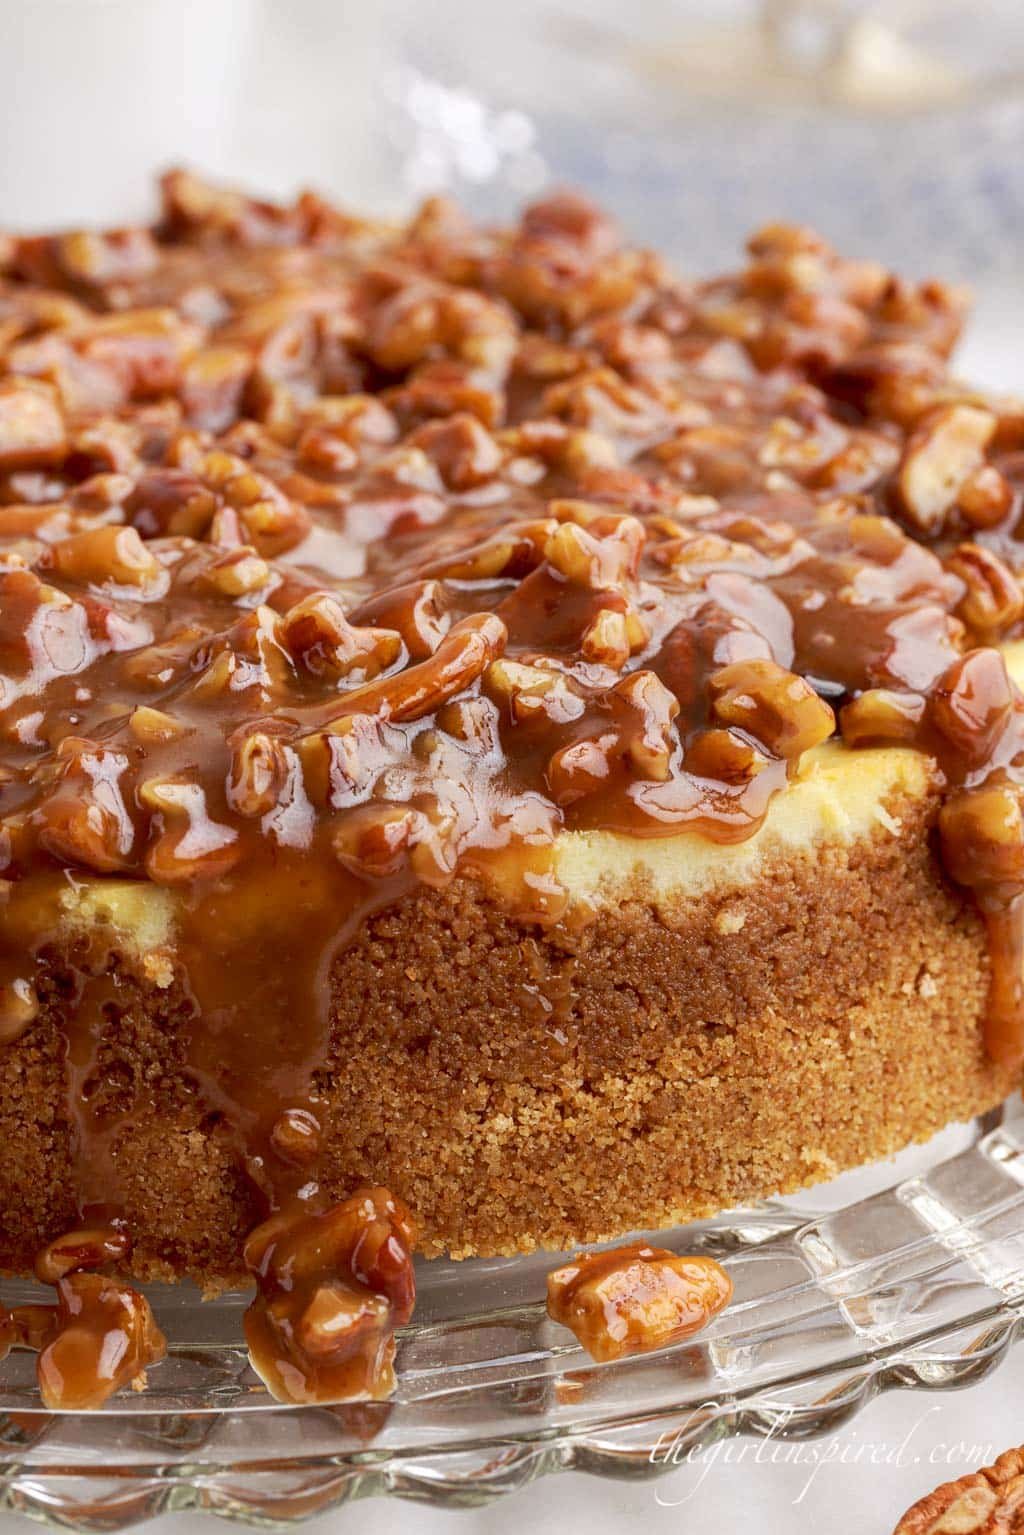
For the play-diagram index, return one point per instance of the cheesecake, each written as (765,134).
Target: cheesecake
(487,718)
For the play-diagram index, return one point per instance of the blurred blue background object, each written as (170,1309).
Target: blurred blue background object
(895,126)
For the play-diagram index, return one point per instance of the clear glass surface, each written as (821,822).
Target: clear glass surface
(907,1275)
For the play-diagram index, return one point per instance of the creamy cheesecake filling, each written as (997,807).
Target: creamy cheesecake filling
(838,796)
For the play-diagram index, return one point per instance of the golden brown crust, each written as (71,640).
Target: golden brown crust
(986,1502)
(522,1088)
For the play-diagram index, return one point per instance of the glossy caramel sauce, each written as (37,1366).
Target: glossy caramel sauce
(634,1298)
(99,1336)
(331,1290)
(337,557)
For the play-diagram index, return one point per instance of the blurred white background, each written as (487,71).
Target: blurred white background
(895,127)
(894,124)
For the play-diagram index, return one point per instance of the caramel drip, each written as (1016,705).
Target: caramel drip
(336,559)
(98,1338)
(633,1298)
(1004,922)
(332,1289)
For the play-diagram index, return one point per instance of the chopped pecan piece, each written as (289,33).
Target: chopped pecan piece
(83,819)
(107,556)
(258,774)
(375,840)
(985,497)
(143,349)
(993,600)
(421,321)
(612,637)
(213,381)
(85,1248)
(106,256)
(188,843)
(882,717)
(982,834)
(725,756)
(103,1338)
(238,573)
(318,635)
(940,456)
(171,501)
(972,704)
(773,704)
(152,727)
(463,451)
(296,1137)
(531,691)
(31,426)
(631,1299)
(415,610)
(649,738)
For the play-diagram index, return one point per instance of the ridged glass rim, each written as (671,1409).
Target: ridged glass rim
(918,1285)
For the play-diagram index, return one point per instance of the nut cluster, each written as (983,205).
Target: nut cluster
(99,1336)
(332,1288)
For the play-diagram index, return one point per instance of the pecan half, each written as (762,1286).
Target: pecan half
(938,459)
(987,1502)
(993,601)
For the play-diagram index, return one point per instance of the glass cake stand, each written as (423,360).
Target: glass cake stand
(909,1275)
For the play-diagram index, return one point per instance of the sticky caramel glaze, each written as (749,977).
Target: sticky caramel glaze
(332,1289)
(340,560)
(634,1298)
(99,1336)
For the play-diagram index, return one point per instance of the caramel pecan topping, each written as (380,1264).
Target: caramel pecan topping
(103,1337)
(630,1299)
(332,1290)
(99,1337)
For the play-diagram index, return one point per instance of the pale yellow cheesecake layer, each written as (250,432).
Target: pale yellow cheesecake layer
(838,797)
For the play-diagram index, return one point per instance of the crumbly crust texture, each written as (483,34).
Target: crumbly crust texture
(667,1062)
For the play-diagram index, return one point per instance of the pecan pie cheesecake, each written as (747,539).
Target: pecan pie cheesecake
(484,718)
